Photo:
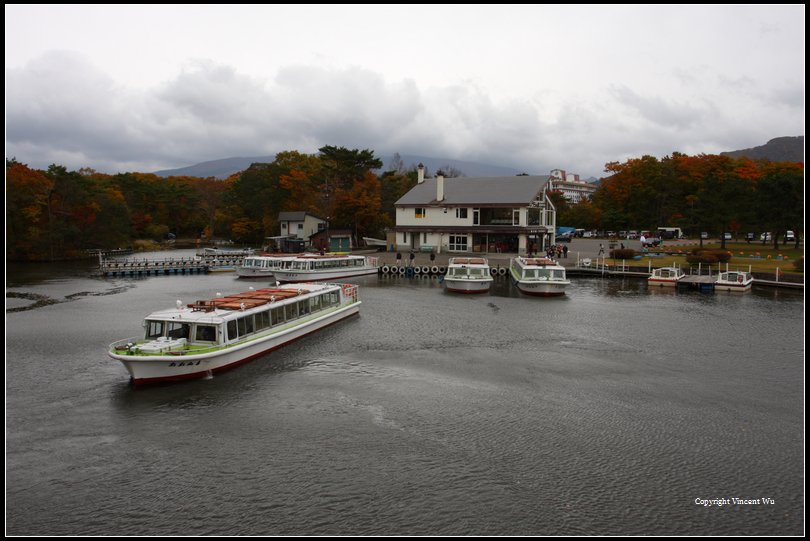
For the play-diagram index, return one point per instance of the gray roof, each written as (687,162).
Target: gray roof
(484,191)
(296,216)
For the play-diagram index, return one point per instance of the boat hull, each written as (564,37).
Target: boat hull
(542,289)
(662,282)
(291,276)
(165,368)
(467,286)
(733,287)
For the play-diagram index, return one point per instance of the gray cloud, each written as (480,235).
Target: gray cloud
(62,109)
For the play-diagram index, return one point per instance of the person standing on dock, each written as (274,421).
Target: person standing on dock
(601,249)
(411,257)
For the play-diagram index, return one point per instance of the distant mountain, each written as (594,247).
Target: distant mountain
(227,166)
(781,149)
(216,168)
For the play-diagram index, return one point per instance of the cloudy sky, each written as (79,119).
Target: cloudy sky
(530,87)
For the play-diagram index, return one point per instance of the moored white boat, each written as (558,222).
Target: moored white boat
(374,242)
(468,275)
(209,336)
(263,266)
(665,277)
(538,276)
(739,281)
(314,267)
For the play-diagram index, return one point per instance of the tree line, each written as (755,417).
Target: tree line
(57,214)
(712,193)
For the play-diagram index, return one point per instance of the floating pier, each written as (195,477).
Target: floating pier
(148,267)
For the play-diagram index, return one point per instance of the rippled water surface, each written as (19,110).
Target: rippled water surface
(609,411)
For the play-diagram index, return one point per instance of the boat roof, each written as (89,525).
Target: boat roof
(468,261)
(538,262)
(217,309)
(331,256)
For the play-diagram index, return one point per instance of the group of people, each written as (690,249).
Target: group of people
(557,251)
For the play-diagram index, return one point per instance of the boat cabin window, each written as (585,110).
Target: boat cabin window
(154,329)
(277,315)
(315,303)
(303,307)
(232,330)
(178,330)
(205,333)
(330,299)
(263,320)
(291,311)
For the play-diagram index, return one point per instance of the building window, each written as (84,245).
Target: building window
(404,238)
(458,243)
(461,214)
(300,227)
(419,212)
(283,225)
(424,238)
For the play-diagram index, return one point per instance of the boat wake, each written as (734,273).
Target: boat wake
(44,300)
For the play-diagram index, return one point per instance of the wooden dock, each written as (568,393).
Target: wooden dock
(698,282)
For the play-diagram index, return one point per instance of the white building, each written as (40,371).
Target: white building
(573,189)
(299,225)
(485,215)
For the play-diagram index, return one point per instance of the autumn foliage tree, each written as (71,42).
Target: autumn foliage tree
(699,193)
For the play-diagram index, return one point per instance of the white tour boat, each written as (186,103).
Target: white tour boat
(314,267)
(538,276)
(734,281)
(665,277)
(209,336)
(264,266)
(468,275)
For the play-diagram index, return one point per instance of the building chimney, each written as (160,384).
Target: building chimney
(439,188)
(420,174)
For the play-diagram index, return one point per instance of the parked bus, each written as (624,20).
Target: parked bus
(670,233)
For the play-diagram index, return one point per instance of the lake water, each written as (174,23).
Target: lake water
(614,410)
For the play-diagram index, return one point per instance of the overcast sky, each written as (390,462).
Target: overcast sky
(530,87)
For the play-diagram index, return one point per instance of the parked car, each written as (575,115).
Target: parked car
(704,235)
(790,237)
(726,236)
(765,237)
(651,241)
(749,237)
